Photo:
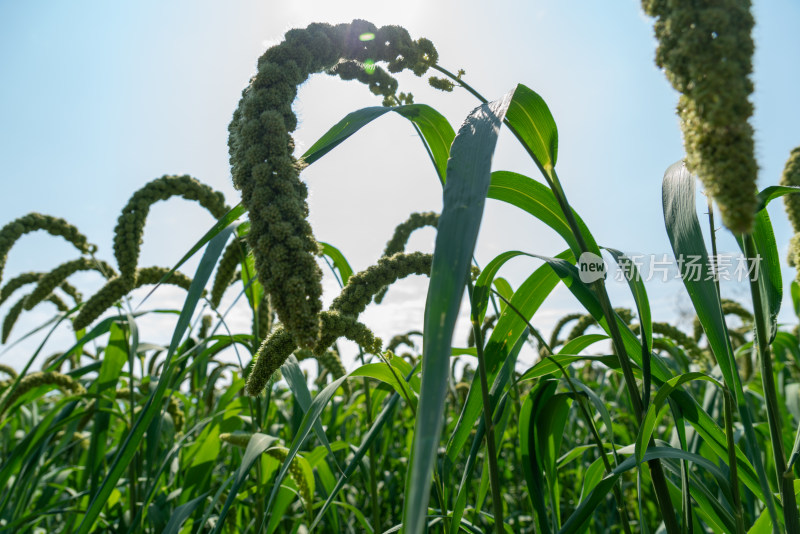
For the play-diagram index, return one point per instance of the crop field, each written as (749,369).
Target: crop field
(617,419)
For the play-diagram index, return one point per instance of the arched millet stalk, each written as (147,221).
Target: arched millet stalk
(31,222)
(48,282)
(130,225)
(261,147)
(128,239)
(226,270)
(340,320)
(791,177)
(401,235)
(118,287)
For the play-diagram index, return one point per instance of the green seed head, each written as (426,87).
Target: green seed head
(298,475)
(36,221)
(226,270)
(17,282)
(10,371)
(401,235)
(130,225)
(363,286)
(585,321)
(115,289)
(237,440)
(554,341)
(63,382)
(48,283)
(261,148)
(791,177)
(706,52)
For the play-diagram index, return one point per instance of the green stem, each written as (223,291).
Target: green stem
(491,452)
(373,481)
(738,511)
(785,476)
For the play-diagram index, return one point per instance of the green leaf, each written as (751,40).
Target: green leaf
(436,133)
(533,124)
(768,194)
(770,281)
(468,177)
(182,513)
(297,383)
(105,386)
(537,199)
(339,261)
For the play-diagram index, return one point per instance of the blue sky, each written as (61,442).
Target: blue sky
(99,98)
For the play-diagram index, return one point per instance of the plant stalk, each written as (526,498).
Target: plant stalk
(785,476)
(488,410)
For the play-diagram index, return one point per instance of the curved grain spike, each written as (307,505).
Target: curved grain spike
(361,287)
(261,148)
(401,235)
(270,356)
(334,325)
(50,281)
(205,326)
(36,221)
(72,291)
(60,304)
(130,225)
(280,344)
(262,321)
(706,51)
(402,339)
(678,337)
(115,289)
(731,307)
(585,321)
(331,361)
(554,341)
(64,382)
(10,371)
(176,412)
(118,287)
(791,177)
(14,312)
(17,282)
(340,320)
(52,358)
(237,440)
(153,275)
(226,270)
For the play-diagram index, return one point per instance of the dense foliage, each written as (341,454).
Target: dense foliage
(625,422)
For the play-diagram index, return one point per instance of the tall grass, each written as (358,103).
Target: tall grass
(667,431)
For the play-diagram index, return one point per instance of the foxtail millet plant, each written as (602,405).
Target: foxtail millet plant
(64,382)
(791,177)
(706,52)
(32,222)
(56,277)
(401,235)
(267,173)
